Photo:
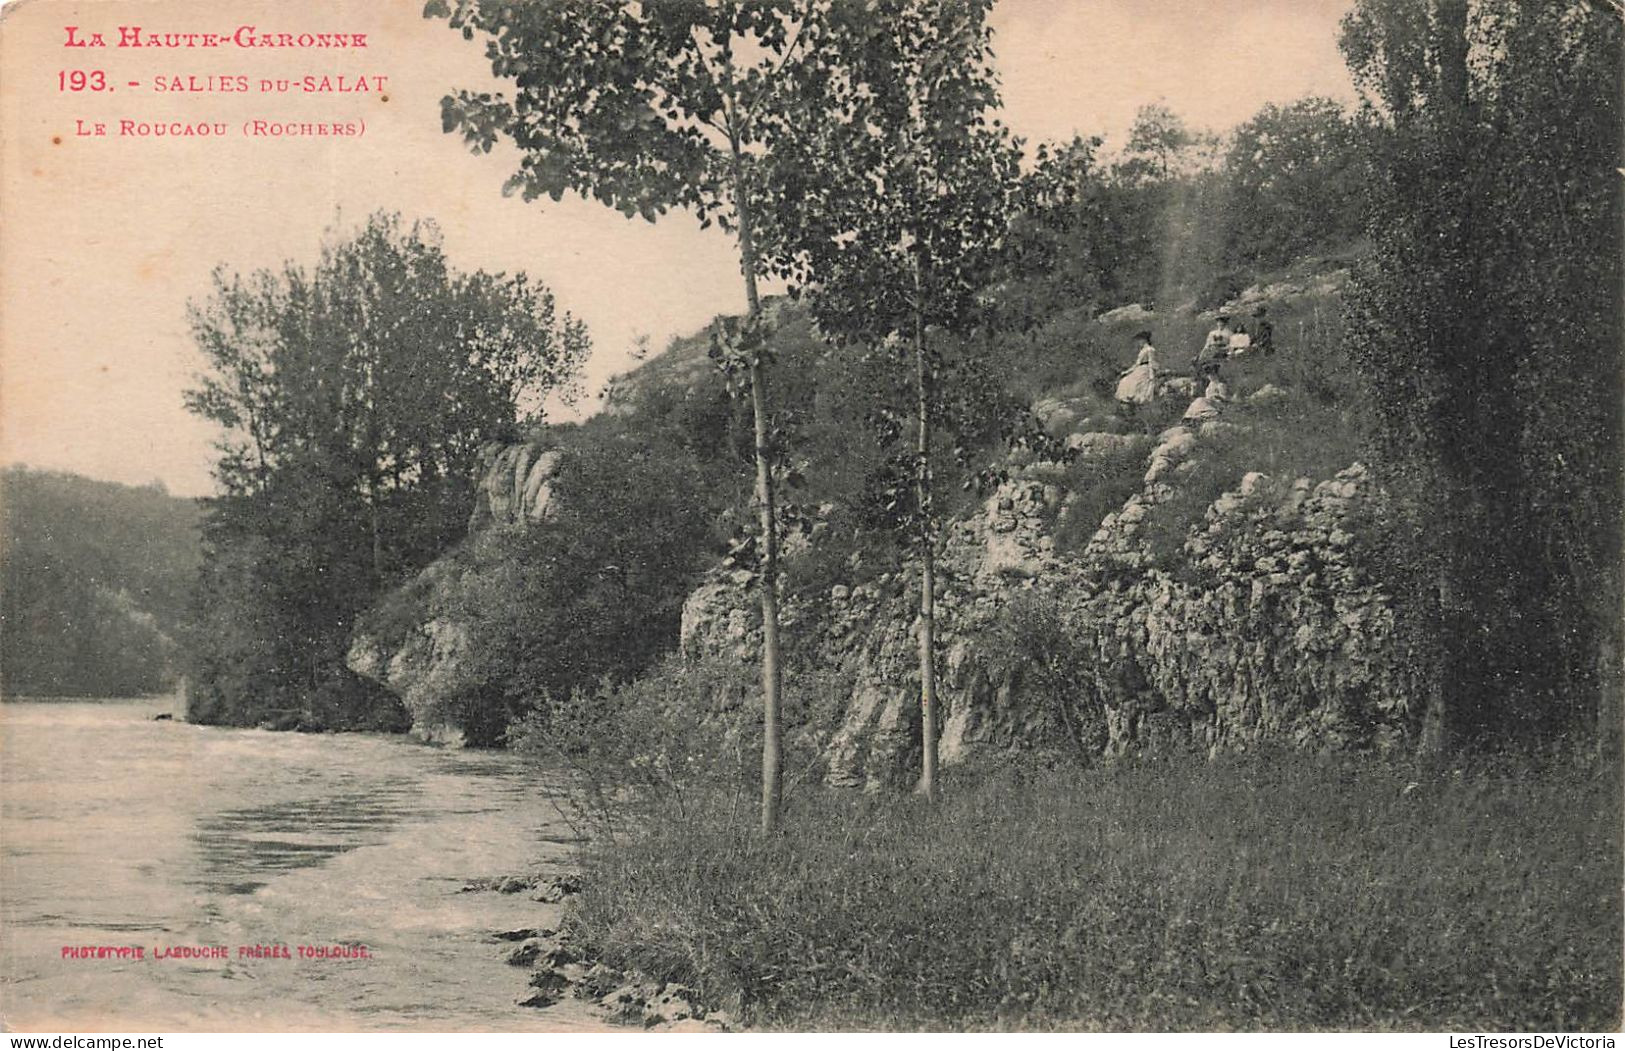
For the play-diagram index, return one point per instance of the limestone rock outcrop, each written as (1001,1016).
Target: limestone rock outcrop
(421,663)
(1266,628)
(515,484)
(414,643)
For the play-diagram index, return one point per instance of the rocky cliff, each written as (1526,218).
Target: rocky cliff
(1255,617)
(417,642)
(1267,627)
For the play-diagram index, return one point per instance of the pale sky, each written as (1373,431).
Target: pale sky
(102,241)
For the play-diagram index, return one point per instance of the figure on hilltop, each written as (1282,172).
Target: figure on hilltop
(1138,385)
(1214,350)
(1240,342)
(1209,405)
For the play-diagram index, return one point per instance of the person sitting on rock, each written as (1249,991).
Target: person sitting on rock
(1263,332)
(1240,342)
(1138,385)
(1214,350)
(1210,404)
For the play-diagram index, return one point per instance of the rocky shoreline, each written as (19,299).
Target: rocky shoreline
(559,971)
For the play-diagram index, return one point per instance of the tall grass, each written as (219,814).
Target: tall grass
(1099,485)
(1264,892)
(1295,437)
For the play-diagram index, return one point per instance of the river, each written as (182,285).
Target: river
(118,830)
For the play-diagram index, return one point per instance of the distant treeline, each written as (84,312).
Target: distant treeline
(94,584)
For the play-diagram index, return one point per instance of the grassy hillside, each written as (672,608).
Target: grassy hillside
(1270,889)
(95,577)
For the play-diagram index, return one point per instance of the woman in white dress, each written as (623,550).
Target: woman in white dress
(1138,385)
(1214,350)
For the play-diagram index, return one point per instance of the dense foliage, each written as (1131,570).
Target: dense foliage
(94,578)
(353,399)
(1292,177)
(1177,215)
(1486,326)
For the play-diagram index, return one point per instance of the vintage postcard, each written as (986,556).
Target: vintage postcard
(811,515)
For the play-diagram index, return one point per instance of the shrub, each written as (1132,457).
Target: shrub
(685,734)
(1099,485)
(1064,355)
(1038,650)
(646,747)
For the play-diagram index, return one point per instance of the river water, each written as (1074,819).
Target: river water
(116,830)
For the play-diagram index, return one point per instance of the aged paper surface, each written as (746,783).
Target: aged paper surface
(147,142)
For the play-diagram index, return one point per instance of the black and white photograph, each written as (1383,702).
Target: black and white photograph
(812,516)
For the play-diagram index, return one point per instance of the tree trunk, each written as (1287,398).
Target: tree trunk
(1471,689)
(1435,738)
(928,604)
(1609,727)
(377,539)
(927,579)
(1454,45)
(772,747)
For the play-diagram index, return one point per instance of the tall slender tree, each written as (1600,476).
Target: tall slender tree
(1487,329)
(894,208)
(647,107)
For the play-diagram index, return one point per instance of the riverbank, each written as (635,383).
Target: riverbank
(1273,892)
(559,972)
